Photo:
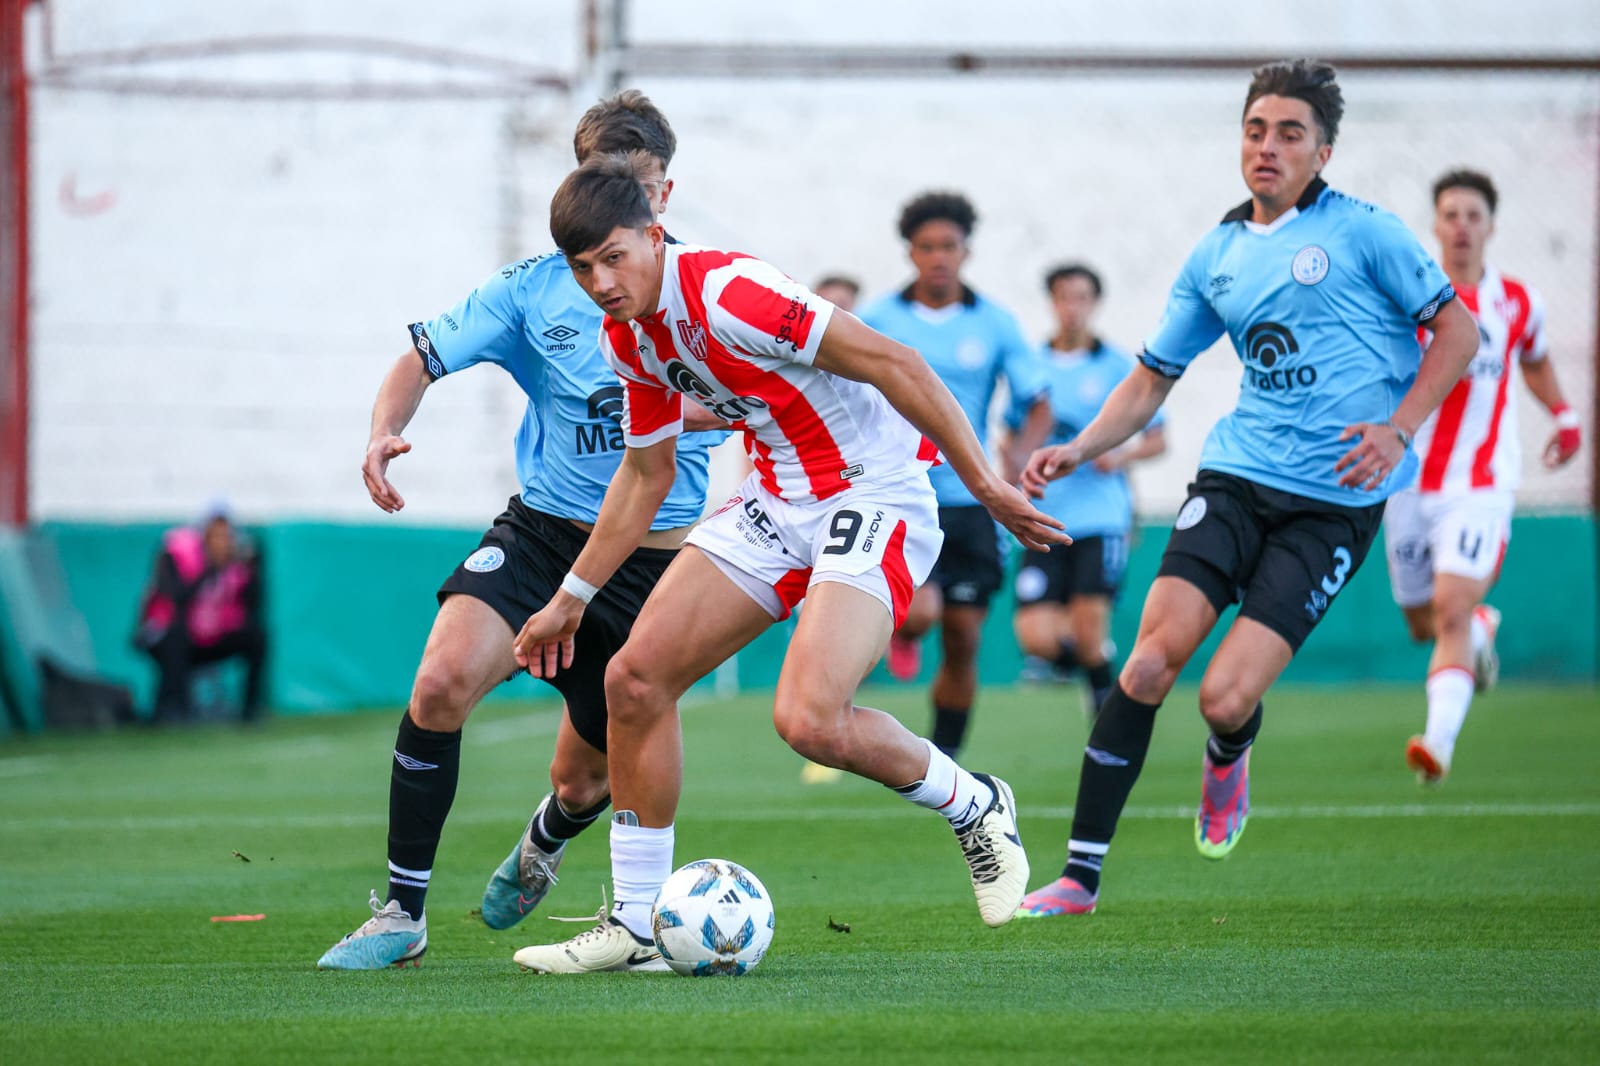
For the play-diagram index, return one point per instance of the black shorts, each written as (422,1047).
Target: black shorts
(1089,566)
(968,568)
(519,565)
(1280,556)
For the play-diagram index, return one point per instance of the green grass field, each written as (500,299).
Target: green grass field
(1360,919)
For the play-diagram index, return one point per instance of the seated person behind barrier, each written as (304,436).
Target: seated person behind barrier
(203,606)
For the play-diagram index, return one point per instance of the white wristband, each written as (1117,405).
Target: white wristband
(573,585)
(1567,418)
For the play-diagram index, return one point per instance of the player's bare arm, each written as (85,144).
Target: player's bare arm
(1127,410)
(633,498)
(1540,377)
(1147,445)
(1035,430)
(398,399)
(854,350)
(1380,446)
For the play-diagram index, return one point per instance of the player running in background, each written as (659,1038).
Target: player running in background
(1321,295)
(1446,535)
(842,425)
(971,343)
(1064,596)
(533,320)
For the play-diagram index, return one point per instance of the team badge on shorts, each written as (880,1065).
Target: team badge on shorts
(1310,265)
(1192,512)
(484,560)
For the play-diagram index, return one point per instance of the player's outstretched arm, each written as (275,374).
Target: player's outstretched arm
(1540,377)
(1380,446)
(398,399)
(1127,410)
(635,494)
(853,350)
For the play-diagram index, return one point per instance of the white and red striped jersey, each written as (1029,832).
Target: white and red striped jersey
(738,336)
(1470,443)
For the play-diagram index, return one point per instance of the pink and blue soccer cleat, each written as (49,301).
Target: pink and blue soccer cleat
(1061,896)
(1224,806)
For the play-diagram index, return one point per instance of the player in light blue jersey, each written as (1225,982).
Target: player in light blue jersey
(1064,596)
(533,320)
(971,343)
(1321,295)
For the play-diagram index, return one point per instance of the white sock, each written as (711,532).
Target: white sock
(948,789)
(1480,634)
(641,860)
(1449,691)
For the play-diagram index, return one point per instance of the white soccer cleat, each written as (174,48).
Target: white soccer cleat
(607,948)
(993,849)
(1486,663)
(389,938)
(1431,768)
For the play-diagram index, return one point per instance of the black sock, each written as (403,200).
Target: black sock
(1228,748)
(950,728)
(422,786)
(1066,659)
(1111,764)
(1100,678)
(553,825)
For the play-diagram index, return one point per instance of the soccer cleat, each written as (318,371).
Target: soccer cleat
(520,882)
(1429,767)
(1486,663)
(607,948)
(993,849)
(1224,806)
(904,659)
(391,937)
(813,773)
(1061,896)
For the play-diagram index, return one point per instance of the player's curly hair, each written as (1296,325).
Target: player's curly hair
(625,122)
(1462,178)
(938,206)
(1302,79)
(598,197)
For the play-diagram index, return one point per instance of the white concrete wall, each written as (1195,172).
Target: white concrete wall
(220,285)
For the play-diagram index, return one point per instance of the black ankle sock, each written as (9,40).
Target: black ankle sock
(554,824)
(950,728)
(422,785)
(1228,748)
(1100,678)
(1111,764)
(1066,659)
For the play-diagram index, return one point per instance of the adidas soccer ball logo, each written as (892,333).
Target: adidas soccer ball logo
(712,918)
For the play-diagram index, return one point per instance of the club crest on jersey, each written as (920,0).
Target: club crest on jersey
(1310,265)
(693,335)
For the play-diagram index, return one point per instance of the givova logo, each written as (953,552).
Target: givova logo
(1268,349)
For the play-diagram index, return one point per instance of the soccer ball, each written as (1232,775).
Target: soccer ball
(712,917)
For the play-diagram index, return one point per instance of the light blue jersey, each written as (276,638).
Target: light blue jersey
(1322,307)
(533,320)
(970,345)
(1091,503)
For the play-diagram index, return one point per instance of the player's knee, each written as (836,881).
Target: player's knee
(1452,613)
(441,697)
(1420,626)
(628,689)
(1148,674)
(579,785)
(809,734)
(1224,706)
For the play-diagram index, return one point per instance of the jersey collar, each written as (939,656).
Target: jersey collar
(1244,211)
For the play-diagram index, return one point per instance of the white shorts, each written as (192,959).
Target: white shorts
(1448,533)
(882,540)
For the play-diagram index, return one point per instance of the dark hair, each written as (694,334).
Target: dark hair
(938,206)
(598,197)
(839,279)
(1302,79)
(625,122)
(1073,270)
(1462,178)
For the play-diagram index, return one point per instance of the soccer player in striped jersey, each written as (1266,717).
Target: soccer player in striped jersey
(972,343)
(1321,295)
(533,320)
(841,425)
(1446,536)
